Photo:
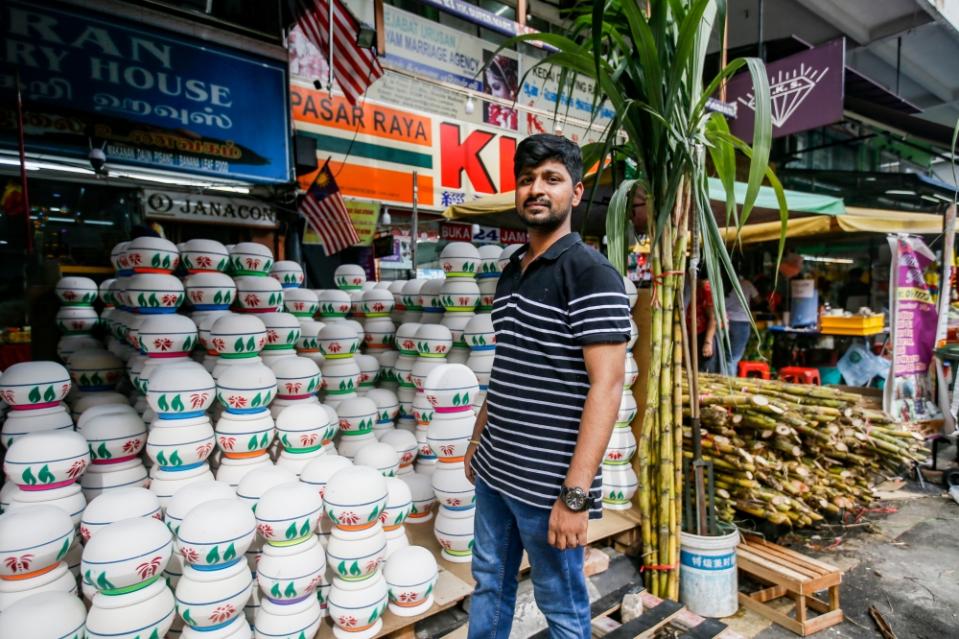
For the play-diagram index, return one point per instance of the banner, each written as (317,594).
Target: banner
(147,96)
(208,209)
(363,215)
(909,393)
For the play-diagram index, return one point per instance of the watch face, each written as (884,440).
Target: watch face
(575,499)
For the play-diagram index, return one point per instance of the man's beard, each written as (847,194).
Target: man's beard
(551,222)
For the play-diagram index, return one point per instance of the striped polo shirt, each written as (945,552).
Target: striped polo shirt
(569,297)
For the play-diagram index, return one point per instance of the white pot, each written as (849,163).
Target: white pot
(621,447)
(380,457)
(217,534)
(105,478)
(460,259)
(357,607)
(117,505)
(177,443)
(256,483)
(200,255)
(334,304)
(453,490)
(165,484)
(301,302)
(454,532)
(448,435)
(239,434)
(290,572)
(32,539)
(288,512)
(59,579)
(250,258)
(410,575)
(126,553)
(49,614)
(423,497)
(349,277)
(210,598)
(69,499)
(619,486)
(318,471)
(34,384)
(356,555)
(275,620)
(20,423)
(288,273)
(45,460)
(152,255)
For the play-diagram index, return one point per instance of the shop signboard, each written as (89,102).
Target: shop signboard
(909,392)
(452,232)
(363,215)
(147,96)
(208,209)
(806,91)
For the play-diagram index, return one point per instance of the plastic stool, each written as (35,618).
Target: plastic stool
(800,375)
(754,369)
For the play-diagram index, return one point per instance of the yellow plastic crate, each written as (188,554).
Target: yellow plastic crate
(855,325)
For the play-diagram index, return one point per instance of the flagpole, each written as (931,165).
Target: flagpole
(329,70)
(414,231)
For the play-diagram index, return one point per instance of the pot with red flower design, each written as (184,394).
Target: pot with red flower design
(304,428)
(297,379)
(148,612)
(167,483)
(356,416)
(167,336)
(409,299)
(246,389)
(126,555)
(454,532)
(289,573)
(341,379)
(422,496)
(377,303)
(32,542)
(369,372)
(118,257)
(236,628)
(621,447)
(19,423)
(479,334)
(204,256)
(355,497)
(209,291)
(288,513)
(154,293)
(98,480)
(357,607)
(251,259)
(433,341)
(152,255)
(117,505)
(399,504)
(176,445)
(47,614)
(334,304)
(76,291)
(244,440)
(282,333)
(237,337)
(254,485)
(459,295)
(380,457)
(308,345)
(317,473)
(410,575)
(349,277)
(405,445)
(301,302)
(192,496)
(432,307)
(106,293)
(453,490)
(627,410)
(288,620)
(619,486)
(69,499)
(425,453)
(75,320)
(457,323)
(487,289)
(182,390)
(46,460)
(450,388)
(338,341)
(379,334)
(632,371)
(95,370)
(205,320)
(217,535)
(448,435)
(258,294)
(289,274)
(403,371)
(489,262)
(387,405)
(460,260)
(210,599)
(357,305)
(405,340)
(356,555)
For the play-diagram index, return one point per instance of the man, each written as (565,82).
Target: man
(562,322)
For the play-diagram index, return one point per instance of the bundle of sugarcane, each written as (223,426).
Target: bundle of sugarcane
(793,453)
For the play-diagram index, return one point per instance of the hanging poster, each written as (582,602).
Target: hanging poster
(363,215)
(910,390)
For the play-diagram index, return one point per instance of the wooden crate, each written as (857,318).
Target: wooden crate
(789,574)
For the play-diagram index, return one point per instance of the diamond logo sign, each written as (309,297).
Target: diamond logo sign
(806,92)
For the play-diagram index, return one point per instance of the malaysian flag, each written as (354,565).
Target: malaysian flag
(355,68)
(325,212)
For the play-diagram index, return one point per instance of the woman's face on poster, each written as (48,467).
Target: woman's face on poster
(496,85)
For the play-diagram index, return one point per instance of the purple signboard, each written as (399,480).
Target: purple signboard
(806,91)
(909,393)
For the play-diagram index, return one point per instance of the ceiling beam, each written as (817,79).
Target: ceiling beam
(899,25)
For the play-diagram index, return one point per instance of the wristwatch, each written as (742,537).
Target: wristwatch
(575,498)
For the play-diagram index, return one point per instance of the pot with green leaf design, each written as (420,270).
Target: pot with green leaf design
(154,293)
(459,295)
(95,370)
(301,302)
(287,573)
(250,259)
(430,302)
(146,613)
(127,555)
(152,255)
(19,423)
(180,390)
(489,262)
(287,514)
(237,336)
(454,532)
(355,497)
(119,504)
(246,389)
(450,388)
(479,333)
(191,497)
(204,256)
(46,460)
(297,620)
(357,608)
(341,379)
(356,555)
(167,483)
(33,539)
(32,385)
(349,277)
(114,437)
(619,486)
(288,273)
(76,291)
(176,445)
(216,535)
(410,575)
(487,289)
(460,260)
(258,294)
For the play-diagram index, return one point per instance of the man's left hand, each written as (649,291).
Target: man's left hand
(567,529)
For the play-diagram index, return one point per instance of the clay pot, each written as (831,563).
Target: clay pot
(621,447)
(349,277)
(58,579)
(288,274)
(355,555)
(250,259)
(34,384)
(167,483)
(114,437)
(288,512)
(334,304)
(453,490)
(338,340)
(631,291)
(489,261)
(355,496)
(430,301)
(301,302)
(406,338)
(256,483)
(633,335)
(179,444)
(318,472)
(423,411)
(459,295)
(296,378)
(449,434)
(357,607)
(380,457)
(248,388)
(210,291)
(32,539)
(202,256)
(69,499)
(118,256)
(399,504)
(369,372)
(154,293)
(152,255)
(144,613)
(433,341)
(356,416)
(67,345)
(46,460)
(387,405)
(460,259)
(180,391)
(487,289)
(454,532)
(303,428)
(450,388)
(95,370)
(405,445)
(403,369)
(410,575)
(290,572)
(632,371)
(232,470)
(627,409)
(76,291)
(377,303)
(287,619)
(479,333)
(422,368)
(126,553)
(47,614)
(379,333)
(208,599)
(117,505)
(619,486)
(282,332)
(481,363)
(507,253)
(106,478)
(72,320)
(20,423)
(217,534)
(349,446)
(457,323)
(258,294)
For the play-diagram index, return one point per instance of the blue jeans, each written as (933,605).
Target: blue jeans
(738,339)
(503,528)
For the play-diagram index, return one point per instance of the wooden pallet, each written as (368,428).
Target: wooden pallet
(789,574)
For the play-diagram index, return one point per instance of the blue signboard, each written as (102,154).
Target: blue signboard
(148,97)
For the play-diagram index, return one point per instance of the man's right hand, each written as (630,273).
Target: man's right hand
(468,463)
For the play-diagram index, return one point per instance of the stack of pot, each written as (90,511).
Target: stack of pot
(459,293)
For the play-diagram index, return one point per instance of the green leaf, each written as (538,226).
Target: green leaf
(153,300)
(355,569)
(103,582)
(177,403)
(45,475)
(305,528)
(162,403)
(265,440)
(161,459)
(63,549)
(103,452)
(374,513)
(290,590)
(342,569)
(251,344)
(155,262)
(252,444)
(166,261)
(175,459)
(49,395)
(291,531)
(275,591)
(238,345)
(187,618)
(34,395)
(213,556)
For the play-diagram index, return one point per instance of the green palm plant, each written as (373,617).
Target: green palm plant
(646,60)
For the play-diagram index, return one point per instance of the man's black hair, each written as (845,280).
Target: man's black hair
(536,149)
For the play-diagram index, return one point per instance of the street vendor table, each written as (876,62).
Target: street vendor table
(789,342)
